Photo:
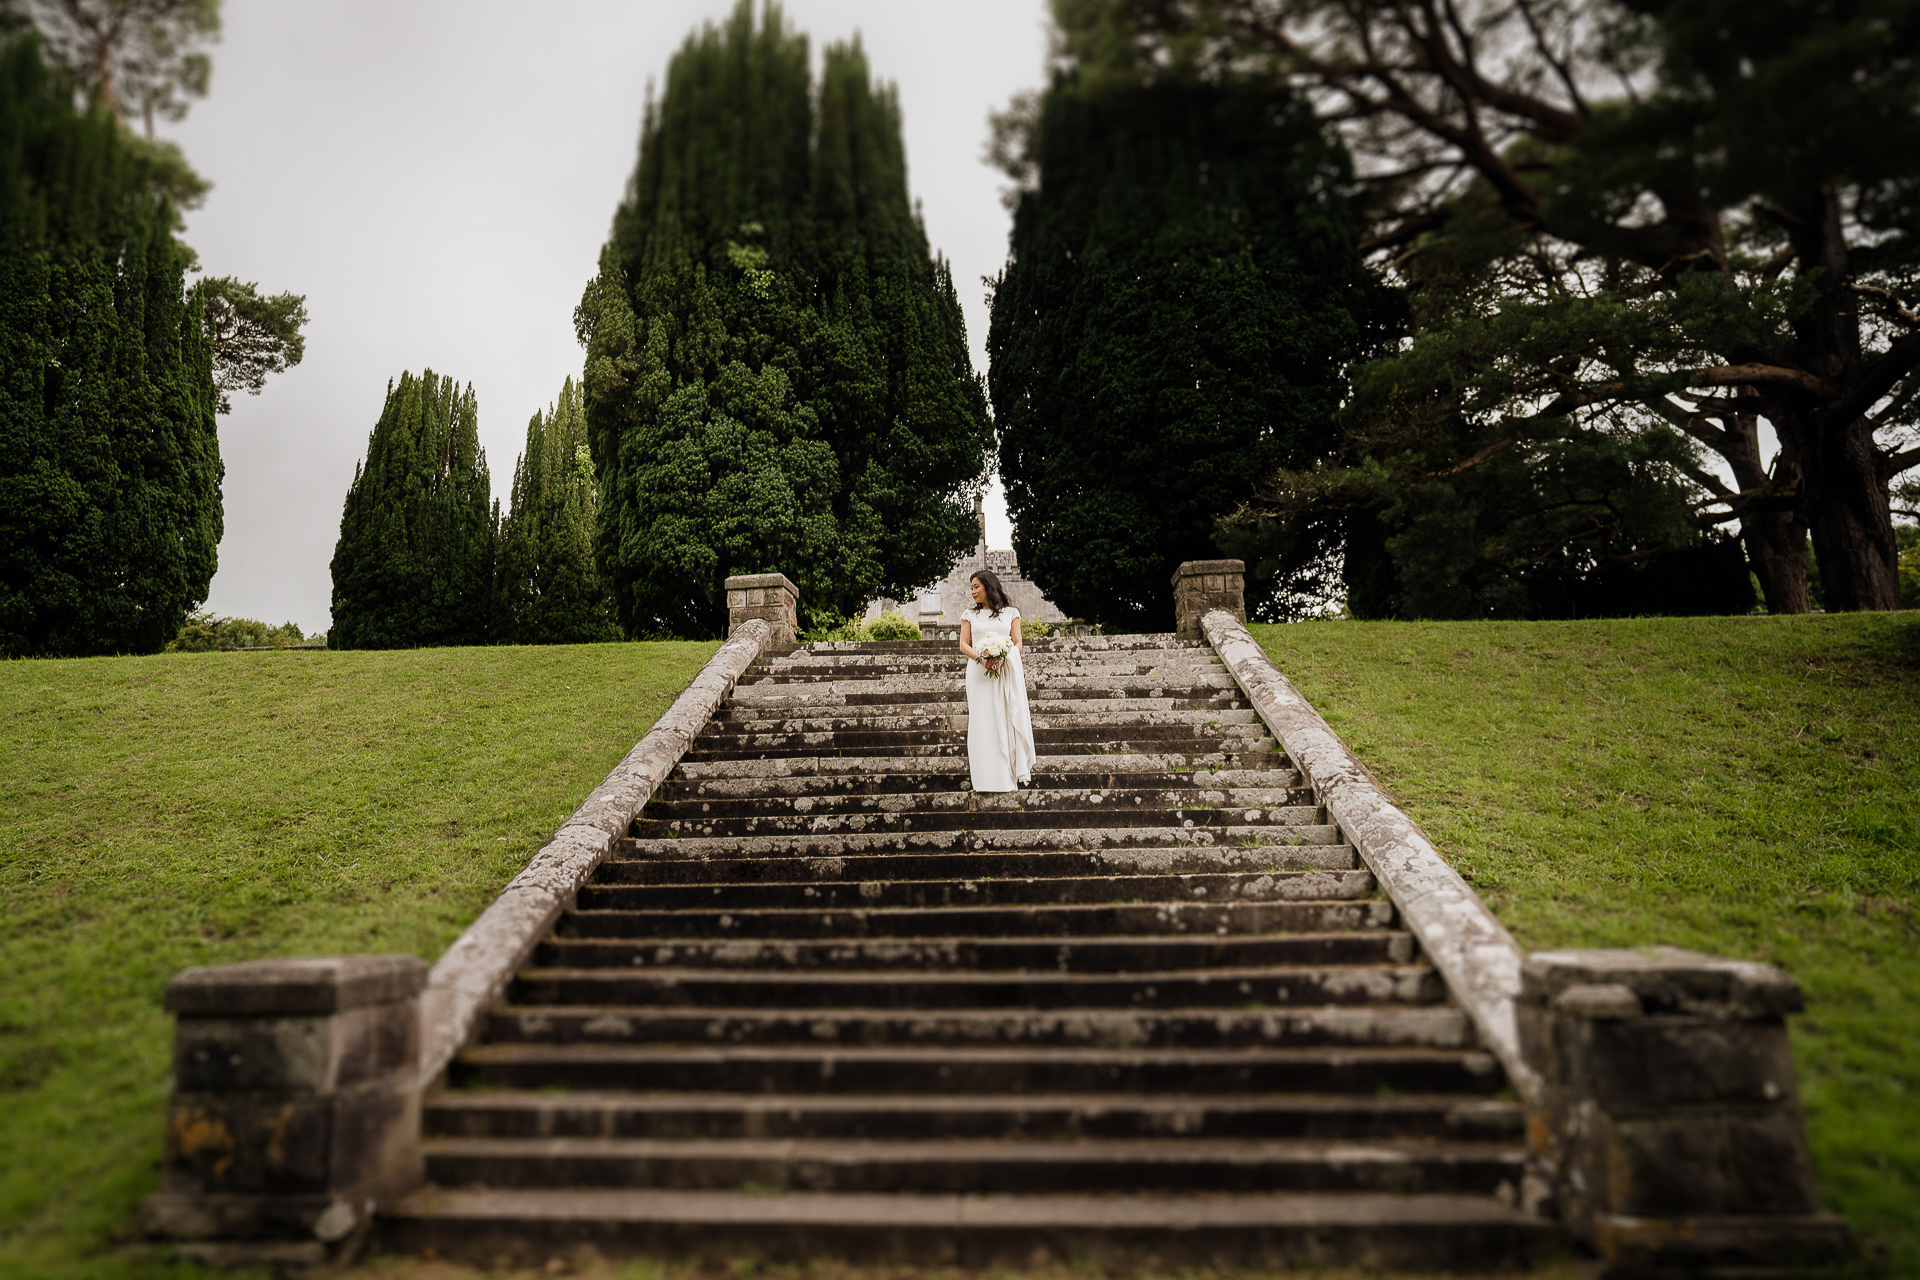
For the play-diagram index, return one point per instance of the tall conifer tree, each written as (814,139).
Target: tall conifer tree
(550,592)
(776,373)
(1173,323)
(414,564)
(109,461)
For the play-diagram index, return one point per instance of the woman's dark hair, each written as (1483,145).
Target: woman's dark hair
(996,594)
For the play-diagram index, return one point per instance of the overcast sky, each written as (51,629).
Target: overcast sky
(437,176)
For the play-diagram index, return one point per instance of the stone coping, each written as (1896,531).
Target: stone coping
(295,986)
(474,972)
(1478,958)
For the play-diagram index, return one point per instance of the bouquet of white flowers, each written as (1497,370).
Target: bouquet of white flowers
(994,649)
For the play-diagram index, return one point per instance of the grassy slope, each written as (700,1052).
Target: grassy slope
(162,812)
(1748,787)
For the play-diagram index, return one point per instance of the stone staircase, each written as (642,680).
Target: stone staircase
(825,1000)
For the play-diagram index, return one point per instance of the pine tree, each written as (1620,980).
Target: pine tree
(109,460)
(549,591)
(1177,309)
(776,367)
(414,564)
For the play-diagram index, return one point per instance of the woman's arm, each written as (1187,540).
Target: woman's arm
(1016,631)
(966,638)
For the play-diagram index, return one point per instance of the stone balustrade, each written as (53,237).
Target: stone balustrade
(772,598)
(1201,586)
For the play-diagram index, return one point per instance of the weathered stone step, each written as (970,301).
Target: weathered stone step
(1197,817)
(630,888)
(1267,1231)
(516,1114)
(1229,957)
(977,1165)
(983,839)
(1165,919)
(1232,750)
(1031,800)
(623,973)
(1437,1027)
(1048,740)
(1165,640)
(1171,682)
(807,701)
(904,787)
(951,1069)
(1099,766)
(952,668)
(1308,871)
(920,719)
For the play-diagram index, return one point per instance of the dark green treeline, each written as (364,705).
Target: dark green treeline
(1179,304)
(777,374)
(109,460)
(414,564)
(548,589)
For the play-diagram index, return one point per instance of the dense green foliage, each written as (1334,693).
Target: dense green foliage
(109,463)
(777,374)
(548,590)
(206,632)
(1180,300)
(414,563)
(1693,215)
(1748,787)
(302,803)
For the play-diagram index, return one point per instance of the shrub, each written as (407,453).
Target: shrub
(206,631)
(1036,628)
(892,625)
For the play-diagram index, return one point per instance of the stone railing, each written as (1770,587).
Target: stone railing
(1663,1120)
(1201,586)
(770,598)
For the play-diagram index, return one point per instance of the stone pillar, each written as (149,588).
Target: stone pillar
(295,1108)
(1667,1128)
(770,597)
(1202,585)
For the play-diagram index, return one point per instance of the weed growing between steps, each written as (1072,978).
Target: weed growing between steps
(1748,787)
(201,808)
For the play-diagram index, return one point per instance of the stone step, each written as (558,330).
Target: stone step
(1275,1232)
(1230,750)
(967,1069)
(1166,919)
(516,1114)
(624,887)
(807,701)
(1162,640)
(1102,766)
(778,1165)
(1143,727)
(912,718)
(1235,970)
(952,668)
(1033,801)
(1048,740)
(1239,837)
(1173,682)
(1197,817)
(1436,1027)
(904,787)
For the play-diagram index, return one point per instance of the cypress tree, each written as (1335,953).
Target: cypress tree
(776,366)
(1172,324)
(414,564)
(109,459)
(550,592)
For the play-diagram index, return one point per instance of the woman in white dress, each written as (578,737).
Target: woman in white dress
(999,729)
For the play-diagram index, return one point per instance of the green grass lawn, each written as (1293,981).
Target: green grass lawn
(1743,786)
(1749,787)
(189,809)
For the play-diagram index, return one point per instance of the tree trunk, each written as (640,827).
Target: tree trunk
(1775,539)
(1850,519)
(1845,498)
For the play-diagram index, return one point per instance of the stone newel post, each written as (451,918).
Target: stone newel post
(295,1108)
(1667,1126)
(1203,585)
(768,596)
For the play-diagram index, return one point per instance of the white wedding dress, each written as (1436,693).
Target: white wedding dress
(999,729)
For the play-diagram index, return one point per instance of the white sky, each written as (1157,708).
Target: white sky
(437,176)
